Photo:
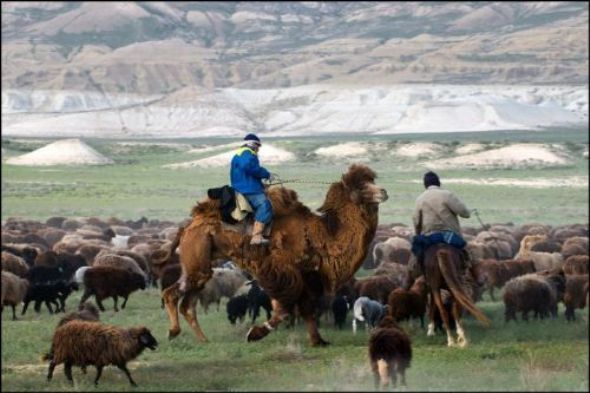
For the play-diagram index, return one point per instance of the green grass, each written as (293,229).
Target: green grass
(137,184)
(539,355)
(548,355)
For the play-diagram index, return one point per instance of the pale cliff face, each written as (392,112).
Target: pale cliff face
(154,48)
(202,69)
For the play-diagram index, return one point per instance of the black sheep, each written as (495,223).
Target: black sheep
(50,293)
(237,307)
(340,310)
(257,298)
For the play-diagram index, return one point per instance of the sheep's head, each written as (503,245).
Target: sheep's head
(530,240)
(388,322)
(146,339)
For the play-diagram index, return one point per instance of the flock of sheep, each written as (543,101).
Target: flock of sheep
(537,266)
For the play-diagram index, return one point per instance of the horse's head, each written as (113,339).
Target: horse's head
(359,181)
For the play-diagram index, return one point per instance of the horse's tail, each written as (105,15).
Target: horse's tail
(449,273)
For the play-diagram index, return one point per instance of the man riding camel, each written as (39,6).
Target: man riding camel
(246,177)
(435,217)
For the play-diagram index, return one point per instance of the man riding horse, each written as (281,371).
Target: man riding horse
(439,248)
(435,219)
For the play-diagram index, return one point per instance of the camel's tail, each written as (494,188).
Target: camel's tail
(451,278)
(163,257)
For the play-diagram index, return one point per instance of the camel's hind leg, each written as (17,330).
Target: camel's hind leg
(195,258)
(188,308)
(278,315)
(170,296)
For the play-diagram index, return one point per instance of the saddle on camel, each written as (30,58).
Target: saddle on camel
(309,253)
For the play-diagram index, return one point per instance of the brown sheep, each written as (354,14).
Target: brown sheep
(395,249)
(86,312)
(24,251)
(542,260)
(576,264)
(106,281)
(82,343)
(51,235)
(109,258)
(89,252)
(498,273)
(378,286)
(576,290)
(14,264)
(575,246)
(547,246)
(14,290)
(55,222)
(405,304)
(138,258)
(390,353)
(561,234)
(223,283)
(532,292)
(397,272)
(530,229)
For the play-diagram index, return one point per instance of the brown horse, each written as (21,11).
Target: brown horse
(309,254)
(442,269)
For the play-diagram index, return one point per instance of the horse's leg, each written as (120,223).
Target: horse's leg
(461,339)
(444,316)
(278,315)
(188,308)
(431,313)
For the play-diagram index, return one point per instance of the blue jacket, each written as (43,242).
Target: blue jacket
(246,172)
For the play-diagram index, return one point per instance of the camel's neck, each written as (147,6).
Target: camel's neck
(348,246)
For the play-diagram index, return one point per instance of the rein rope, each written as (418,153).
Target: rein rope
(299,181)
(485,227)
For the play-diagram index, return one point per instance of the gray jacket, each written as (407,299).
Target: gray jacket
(439,209)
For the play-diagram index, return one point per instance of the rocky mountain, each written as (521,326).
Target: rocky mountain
(158,47)
(136,66)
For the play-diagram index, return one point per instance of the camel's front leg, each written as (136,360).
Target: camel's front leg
(314,333)
(259,332)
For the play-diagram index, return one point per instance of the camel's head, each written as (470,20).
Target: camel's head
(359,181)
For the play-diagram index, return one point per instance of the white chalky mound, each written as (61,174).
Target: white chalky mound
(64,152)
(268,155)
(417,149)
(517,155)
(349,149)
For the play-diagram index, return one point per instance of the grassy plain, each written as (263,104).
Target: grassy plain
(137,184)
(547,355)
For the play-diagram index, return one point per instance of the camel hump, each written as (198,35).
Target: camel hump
(285,202)
(449,272)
